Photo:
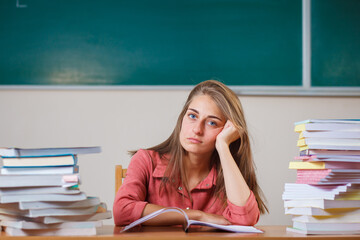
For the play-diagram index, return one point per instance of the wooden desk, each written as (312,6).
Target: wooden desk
(156,233)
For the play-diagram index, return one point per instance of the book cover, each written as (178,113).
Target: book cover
(51,212)
(330,134)
(97,216)
(329,147)
(47,161)
(34,225)
(328,142)
(326,127)
(347,218)
(68,180)
(39,190)
(314,211)
(328,158)
(327,226)
(324,165)
(39,170)
(322,203)
(318,232)
(335,152)
(51,232)
(47,197)
(21,152)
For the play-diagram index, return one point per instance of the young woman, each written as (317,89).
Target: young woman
(205,167)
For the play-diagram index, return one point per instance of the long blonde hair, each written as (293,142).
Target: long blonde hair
(230,105)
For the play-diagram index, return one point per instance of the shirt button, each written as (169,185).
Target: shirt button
(180,188)
(187,208)
(207,184)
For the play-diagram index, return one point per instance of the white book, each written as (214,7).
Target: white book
(311,125)
(188,222)
(322,203)
(34,225)
(33,213)
(43,161)
(326,156)
(329,141)
(327,226)
(329,158)
(330,134)
(317,232)
(19,152)
(300,187)
(349,218)
(51,232)
(43,197)
(330,152)
(346,121)
(67,180)
(39,170)
(88,217)
(310,196)
(311,211)
(331,147)
(318,192)
(88,202)
(38,190)
(97,216)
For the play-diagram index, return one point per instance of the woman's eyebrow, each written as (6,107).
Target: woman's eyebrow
(210,116)
(194,110)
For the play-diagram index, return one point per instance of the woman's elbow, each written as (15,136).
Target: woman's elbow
(125,211)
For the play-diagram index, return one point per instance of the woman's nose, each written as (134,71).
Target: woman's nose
(198,130)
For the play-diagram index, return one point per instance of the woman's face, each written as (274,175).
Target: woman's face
(202,122)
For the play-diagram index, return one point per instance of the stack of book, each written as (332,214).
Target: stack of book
(40,195)
(326,196)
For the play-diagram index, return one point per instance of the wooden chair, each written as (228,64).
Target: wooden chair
(120,173)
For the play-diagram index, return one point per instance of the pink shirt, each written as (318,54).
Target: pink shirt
(142,184)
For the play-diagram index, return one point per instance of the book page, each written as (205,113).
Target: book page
(154,214)
(230,228)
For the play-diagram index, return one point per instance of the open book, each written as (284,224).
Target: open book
(188,222)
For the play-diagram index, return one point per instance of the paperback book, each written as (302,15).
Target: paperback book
(325,199)
(188,223)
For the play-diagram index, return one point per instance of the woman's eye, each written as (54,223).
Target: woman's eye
(212,123)
(192,116)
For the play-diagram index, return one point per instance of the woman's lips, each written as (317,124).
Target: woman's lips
(194,140)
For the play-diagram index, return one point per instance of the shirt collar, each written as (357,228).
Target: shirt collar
(159,170)
(210,180)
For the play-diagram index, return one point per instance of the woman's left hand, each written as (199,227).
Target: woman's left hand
(228,135)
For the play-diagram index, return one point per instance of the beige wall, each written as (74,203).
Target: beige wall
(119,121)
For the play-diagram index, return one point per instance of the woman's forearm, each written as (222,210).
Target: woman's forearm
(169,218)
(173,218)
(237,190)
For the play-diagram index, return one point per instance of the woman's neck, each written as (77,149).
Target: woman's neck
(197,167)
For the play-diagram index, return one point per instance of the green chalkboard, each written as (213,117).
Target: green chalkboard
(159,42)
(335,37)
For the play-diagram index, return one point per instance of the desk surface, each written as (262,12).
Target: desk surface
(149,233)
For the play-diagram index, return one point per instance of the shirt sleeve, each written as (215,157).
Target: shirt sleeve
(130,199)
(243,215)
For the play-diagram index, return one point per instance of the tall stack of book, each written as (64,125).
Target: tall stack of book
(40,195)
(326,196)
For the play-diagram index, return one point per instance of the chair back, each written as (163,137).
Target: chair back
(120,173)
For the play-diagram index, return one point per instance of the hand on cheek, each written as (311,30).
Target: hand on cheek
(228,135)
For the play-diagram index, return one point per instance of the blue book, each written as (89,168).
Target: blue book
(22,152)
